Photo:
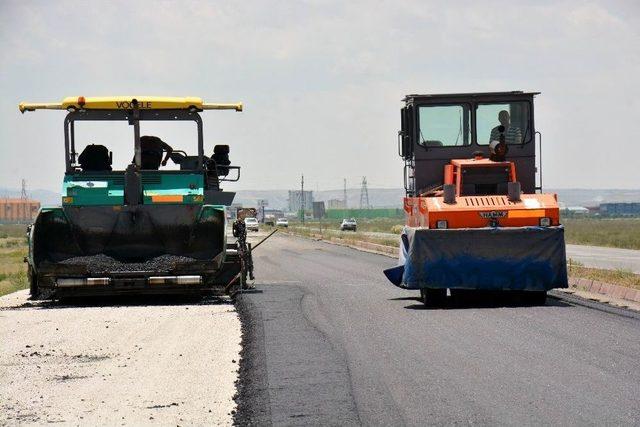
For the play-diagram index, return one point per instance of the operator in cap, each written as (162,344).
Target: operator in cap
(512,134)
(152,149)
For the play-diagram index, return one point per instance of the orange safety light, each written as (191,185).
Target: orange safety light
(81,101)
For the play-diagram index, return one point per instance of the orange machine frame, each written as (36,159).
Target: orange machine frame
(480,211)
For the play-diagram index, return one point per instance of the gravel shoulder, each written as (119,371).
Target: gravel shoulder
(129,363)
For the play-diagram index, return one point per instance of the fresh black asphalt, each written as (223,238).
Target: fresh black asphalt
(327,341)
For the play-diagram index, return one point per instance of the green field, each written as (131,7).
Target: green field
(13,249)
(612,232)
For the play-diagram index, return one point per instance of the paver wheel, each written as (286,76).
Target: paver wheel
(33,283)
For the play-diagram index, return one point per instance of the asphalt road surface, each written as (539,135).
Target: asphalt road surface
(135,362)
(328,341)
(600,257)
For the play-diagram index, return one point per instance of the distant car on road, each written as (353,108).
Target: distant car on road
(252,224)
(282,222)
(270,220)
(348,224)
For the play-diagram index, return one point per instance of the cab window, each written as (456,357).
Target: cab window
(514,116)
(444,125)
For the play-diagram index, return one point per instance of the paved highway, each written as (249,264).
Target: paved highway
(328,341)
(600,257)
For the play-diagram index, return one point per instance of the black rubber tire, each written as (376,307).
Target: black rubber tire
(34,291)
(433,297)
(462,296)
(536,297)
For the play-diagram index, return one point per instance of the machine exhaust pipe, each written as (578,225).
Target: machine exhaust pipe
(449,193)
(513,191)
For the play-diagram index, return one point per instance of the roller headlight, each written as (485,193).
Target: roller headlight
(442,224)
(545,222)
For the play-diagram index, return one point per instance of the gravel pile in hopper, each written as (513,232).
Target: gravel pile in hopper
(97,264)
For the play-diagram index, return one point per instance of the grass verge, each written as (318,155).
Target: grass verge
(13,249)
(346,236)
(614,232)
(624,278)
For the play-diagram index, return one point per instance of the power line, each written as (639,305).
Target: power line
(23,194)
(344,194)
(302,197)
(364,194)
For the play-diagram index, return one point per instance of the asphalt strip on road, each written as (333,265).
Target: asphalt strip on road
(327,341)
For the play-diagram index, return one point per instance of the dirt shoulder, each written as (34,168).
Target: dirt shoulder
(136,364)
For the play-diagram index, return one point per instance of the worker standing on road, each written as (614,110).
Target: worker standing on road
(512,134)
(239,230)
(152,149)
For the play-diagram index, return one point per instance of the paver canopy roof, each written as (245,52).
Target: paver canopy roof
(129,103)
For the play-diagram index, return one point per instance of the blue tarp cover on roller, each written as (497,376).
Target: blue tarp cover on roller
(519,258)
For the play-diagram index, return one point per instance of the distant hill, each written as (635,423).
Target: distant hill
(392,197)
(589,198)
(278,199)
(378,197)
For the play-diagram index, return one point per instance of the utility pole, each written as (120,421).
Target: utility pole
(344,194)
(302,197)
(364,194)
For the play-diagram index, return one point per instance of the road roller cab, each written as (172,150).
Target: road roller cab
(139,229)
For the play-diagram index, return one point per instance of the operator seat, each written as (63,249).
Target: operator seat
(94,158)
(217,166)
(221,159)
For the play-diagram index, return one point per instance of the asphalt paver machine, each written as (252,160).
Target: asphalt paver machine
(476,216)
(143,229)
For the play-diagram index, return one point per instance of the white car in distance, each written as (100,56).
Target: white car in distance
(348,224)
(251,224)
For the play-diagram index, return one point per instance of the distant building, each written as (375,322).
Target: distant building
(18,210)
(575,210)
(594,210)
(278,213)
(295,200)
(335,204)
(620,209)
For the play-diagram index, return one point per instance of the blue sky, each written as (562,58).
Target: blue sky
(322,81)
